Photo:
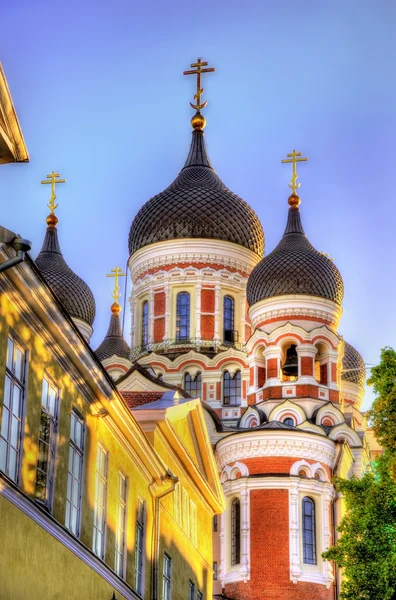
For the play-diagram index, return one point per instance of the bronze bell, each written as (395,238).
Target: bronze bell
(290,366)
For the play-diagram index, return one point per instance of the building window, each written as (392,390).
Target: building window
(191,587)
(74,475)
(193,523)
(183,316)
(235,532)
(47,443)
(231,389)
(12,412)
(308,531)
(199,595)
(139,548)
(289,421)
(99,529)
(215,523)
(119,559)
(215,570)
(145,323)
(228,320)
(166,577)
(192,385)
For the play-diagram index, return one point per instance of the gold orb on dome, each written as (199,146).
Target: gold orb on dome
(52,220)
(198,122)
(294,200)
(115,308)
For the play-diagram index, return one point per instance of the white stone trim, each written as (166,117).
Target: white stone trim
(254,444)
(231,472)
(46,522)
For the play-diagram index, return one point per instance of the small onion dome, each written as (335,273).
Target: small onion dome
(70,289)
(353,366)
(295,267)
(197,205)
(113,343)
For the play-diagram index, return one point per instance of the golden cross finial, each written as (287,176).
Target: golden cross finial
(52,180)
(116,273)
(294,158)
(198,66)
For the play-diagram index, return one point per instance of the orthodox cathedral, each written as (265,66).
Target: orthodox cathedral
(252,338)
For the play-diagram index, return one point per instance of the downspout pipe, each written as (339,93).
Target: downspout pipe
(20,246)
(157,497)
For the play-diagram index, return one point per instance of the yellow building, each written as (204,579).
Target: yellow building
(97,501)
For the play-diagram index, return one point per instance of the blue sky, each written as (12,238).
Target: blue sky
(100,95)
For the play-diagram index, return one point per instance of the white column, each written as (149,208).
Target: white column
(245,531)
(326,502)
(222,539)
(167,311)
(242,338)
(198,290)
(217,313)
(295,568)
(133,304)
(151,315)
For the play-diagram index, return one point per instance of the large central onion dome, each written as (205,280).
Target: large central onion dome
(295,267)
(71,290)
(197,205)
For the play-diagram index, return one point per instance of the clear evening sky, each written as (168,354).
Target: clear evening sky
(100,96)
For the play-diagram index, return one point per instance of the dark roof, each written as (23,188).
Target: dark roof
(72,291)
(145,372)
(197,205)
(140,398)
(353,360)
(113,343)
(295,267)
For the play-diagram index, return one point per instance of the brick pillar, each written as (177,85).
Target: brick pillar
(198,290)
(151,316)
(167,310)
(217,335)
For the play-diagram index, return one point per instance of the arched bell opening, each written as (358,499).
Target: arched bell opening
(321,369)
(289,362)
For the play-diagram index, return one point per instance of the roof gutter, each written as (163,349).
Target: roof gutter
(20,246)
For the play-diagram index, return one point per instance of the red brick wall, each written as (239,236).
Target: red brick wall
(251,399)
(277,464)
(306,365)
(207,301)
(248,332)
(272,367)
(159,329)
(244,388)
(333,372)
(269,554)
(272,392)
(218,391)
(251,376)
(204,391)
(159,304)
(207,327)
(323,374)
(260,376)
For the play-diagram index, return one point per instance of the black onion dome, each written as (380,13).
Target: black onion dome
(197,205)
(113,343)
(295,267)
(71,290)
(353,366)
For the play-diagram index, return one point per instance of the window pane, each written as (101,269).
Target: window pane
(16,400)
(52,401)
(10,353)
(78,433)
(14,432)
(5,419)
(7,391)
(12,465)
(18,364)
(3,454)
(44,393)
(183,316)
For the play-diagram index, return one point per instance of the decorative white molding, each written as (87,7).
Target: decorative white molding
(264,443)
(310,468)
(232,472)
(62,535)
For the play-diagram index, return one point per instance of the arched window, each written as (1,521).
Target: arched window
(192,385)
(235,532)
(308,531)
(232,389)
(145,321)
(289,421)
(183,316)
(228,320)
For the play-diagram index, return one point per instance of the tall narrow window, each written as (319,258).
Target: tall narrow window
(199,595)
(192,385)
(74,475)
(166,577)
(308,531)
(232,389)
(191,586)
(47,443)
(145,323)
(235,532)
(119,560)
(228,320)
(183,316)
(139,548)
(12,412)
(215,523)
(215,570)
(98,544)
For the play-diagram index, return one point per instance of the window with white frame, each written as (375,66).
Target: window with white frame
(47,443)
(182,316)
(99,529)
(193,523)
(166,577)
(145,323)
(12,410)
(75,473)
(191,587)
(231,389)
(119,559)
(235,532)
(139,547)
(192,385)
(308,531)
(230,335)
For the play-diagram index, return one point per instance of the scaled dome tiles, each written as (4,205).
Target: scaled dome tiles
(197,205)
(353,366)
(295,267)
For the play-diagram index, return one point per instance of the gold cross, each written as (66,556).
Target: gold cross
(293,158)
(116,273)
(198,65)
(52,180)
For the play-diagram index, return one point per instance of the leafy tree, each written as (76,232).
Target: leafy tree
(366,549)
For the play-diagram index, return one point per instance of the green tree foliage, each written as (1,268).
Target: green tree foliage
(366,549)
